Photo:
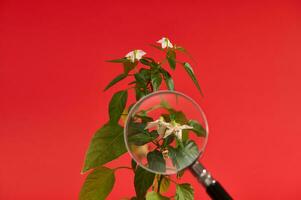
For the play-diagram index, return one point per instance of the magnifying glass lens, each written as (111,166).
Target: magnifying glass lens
(166,132)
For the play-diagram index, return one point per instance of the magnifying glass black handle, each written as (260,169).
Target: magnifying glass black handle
(217,192)
(213,188)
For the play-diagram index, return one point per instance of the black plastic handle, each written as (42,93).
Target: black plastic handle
(217,192)
(213,188)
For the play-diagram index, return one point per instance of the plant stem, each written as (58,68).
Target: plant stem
(159,183)
(123,167)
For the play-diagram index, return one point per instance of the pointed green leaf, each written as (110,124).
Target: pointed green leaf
(140,139)
(156,162)
(183,156)
(182,49)
(149,62)
(168,79)
(178,116)
(157,47)
(171,58)
(134,165)
(164,183)
(117,105)
(129,66)
(168,140)
(149,59)
(143,77)
(145,62)
(197,128)
(115,80)
(98,184)
(143,180)
(155,196)
(190,72)
(106,145)
(184,192)
(156,80)
(180,174)
(120,60)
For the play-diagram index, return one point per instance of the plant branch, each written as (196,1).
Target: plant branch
(123,167)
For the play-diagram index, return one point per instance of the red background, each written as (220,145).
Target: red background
(52,73)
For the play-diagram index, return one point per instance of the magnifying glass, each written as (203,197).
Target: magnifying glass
(167,132)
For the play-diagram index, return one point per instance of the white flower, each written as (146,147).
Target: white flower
(160,125)
(135,55)
(166,129)
(165,43)
(175,128)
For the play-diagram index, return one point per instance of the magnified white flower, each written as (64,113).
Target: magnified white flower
(165,43)
(135,55)
(175,128)
(160,125)
(165,129)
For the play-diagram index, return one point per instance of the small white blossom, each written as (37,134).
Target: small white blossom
(166,129)
(165,43)
(175,128)
(135,55)
(160,125)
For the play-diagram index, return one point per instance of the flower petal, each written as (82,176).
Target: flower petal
(152,124)
(161,40)
(161,130)
(185,127)
(179,134)
(139,54)
(169,44)
(168,133)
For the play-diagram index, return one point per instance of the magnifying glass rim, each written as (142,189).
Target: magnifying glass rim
(158,93)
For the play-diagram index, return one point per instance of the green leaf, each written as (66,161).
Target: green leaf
(178,116)
(106,145)
(168,140)
(116,80)
(157,47)
(140,139)
(197,128)
(145,119)
(183,156)
(184,192)
(156,162)
(117,105)
(133,164)
(148,62)
(98,184)
(129,66)
(155,196)
(180,174)
(140,92)
(136,128)
(156,80)
(143,180)
(168,79)
(171,58)
(164,184)
(182,49)
(142,79)
(149,59)
(120,60)
(190,72)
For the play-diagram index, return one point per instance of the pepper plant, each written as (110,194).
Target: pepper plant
(146,75)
